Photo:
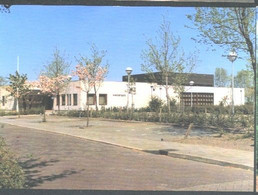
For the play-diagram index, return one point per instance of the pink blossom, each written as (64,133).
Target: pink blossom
(52,85)
(87,78)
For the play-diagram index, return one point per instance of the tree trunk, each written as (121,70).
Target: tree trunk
(167,95)
(44,110)
(96,100)
(88,115)
(88,110)
(160,114)
(19,114)
(58,102)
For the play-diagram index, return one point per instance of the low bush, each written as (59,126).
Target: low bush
(155,104)
(244,109)
(11,173)
(39,110)
(7,113)
(216,116)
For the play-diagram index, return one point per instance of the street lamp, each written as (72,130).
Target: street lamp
(232,57)
(191,84)
(151,89)
(128,71)
(241,96)
(160,88)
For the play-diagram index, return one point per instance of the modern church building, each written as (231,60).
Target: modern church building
(199,90)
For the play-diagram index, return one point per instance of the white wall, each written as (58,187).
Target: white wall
(9,103)
(72,88)
(117,94)
(220,93)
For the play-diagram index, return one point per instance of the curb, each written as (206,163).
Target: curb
(209,161)
(158,152)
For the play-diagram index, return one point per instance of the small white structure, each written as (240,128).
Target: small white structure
(114,94)
(7,102)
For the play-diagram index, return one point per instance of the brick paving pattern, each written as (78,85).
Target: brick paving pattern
(55,161)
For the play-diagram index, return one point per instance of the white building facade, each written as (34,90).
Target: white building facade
(115,94)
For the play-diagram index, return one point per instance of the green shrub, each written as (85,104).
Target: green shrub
(155,104)
(11,174)
(217,116)
(244,109)
(39,110)
(7,112)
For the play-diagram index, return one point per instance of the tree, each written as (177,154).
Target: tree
(49,87)
(56,69)
(221,77)
(229,28)
(18,87)
(244,79)
(88,81)
(95,63)
(4,8)
(167,57)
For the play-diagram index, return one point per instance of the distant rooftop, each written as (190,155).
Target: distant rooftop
(206,80)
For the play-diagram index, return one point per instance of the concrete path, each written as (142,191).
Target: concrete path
(55,161)
(136,135)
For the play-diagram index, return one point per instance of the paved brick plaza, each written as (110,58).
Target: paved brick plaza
(54,161)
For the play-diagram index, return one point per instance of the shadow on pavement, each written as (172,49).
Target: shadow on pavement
(160,152)
(35,177)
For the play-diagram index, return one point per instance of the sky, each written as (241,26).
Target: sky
(33,33)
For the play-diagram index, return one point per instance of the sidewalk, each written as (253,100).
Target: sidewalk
(139,136)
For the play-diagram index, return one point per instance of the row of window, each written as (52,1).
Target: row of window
(69,99)
(92,99)
(198,103)
(197,98)
(72,99)
(198,95)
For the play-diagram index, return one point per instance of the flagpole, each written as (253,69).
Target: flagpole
(18,69)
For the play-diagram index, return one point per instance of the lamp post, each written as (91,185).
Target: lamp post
(232,57)
(241,96)
(151,89)
(128,71)
(160,88)
(191,84)
(17,91)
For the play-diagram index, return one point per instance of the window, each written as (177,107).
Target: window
(58,100)
(91,99)
(75,102)
(197,98)
(102,99)
(69,99)
(63,99)
(3,100)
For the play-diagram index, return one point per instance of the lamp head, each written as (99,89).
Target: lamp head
(232,56)
(128,70)
(191,83)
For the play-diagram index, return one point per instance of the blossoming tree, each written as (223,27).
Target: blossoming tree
(56,72)
(89,80)
(94,65)
(51,87)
